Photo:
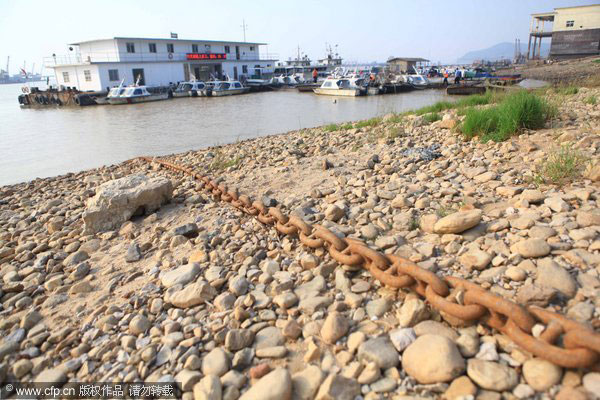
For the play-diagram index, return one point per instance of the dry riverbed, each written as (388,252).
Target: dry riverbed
(202,294)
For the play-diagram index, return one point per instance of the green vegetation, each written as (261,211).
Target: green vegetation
(332,127)
(567,90)
(396,118)
(369,122)
(414,224)
(432,117)
(221,162)
(591,100)
(517,111)
(444,211)
(563,165)
(436,107)
(597,61)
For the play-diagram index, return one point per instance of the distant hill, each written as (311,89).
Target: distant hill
(498,51)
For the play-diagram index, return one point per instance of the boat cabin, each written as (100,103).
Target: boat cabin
(189,86)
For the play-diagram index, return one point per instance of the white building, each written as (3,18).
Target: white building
(100,64)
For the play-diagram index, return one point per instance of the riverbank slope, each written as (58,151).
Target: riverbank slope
(97,307)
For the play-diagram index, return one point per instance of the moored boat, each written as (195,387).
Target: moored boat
(140,94)
(190,89)
(465,89)
(225,88)
(340,87)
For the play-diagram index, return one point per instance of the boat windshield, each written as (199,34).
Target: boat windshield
(343,83)
(237,85)
(225,85)
(184,87)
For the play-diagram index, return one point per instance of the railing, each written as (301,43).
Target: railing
(88,58)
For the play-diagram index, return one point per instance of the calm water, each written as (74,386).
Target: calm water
(46,142)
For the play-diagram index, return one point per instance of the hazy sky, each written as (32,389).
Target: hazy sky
(365,31)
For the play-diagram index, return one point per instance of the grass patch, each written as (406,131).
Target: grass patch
(396,118)
(591,100)
(444,211)
(368,123)
(597,61)
(414,224)
(332,128)
(517,111)
(567,90)
(563,165)
(221,162)
(435,108)
(432,117)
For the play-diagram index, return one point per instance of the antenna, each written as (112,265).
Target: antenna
(244,27)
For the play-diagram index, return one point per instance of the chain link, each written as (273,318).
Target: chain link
(459,301)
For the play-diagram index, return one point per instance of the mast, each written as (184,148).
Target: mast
(7,62)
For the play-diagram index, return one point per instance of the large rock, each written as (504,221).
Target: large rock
(276,385)
(552,275)
(192,295)
(117,201)
(491,375)
(530,248)
(334,327)
(433,359)
(458,222)
(541,374)
(306,382)
(182,275)
(379,350)
(338,387)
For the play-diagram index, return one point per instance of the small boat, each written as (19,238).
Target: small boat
(140,94)
(225,88)
(190,89)
(112,93)
(259,85)
(340,87)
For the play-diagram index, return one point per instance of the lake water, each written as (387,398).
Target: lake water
(46,142)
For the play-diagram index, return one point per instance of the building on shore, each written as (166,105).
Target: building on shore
(100,64)
(575,32)
(405,64)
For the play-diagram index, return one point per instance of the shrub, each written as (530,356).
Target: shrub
(567,90)
(332,127)
(368,123)
(591,100)
(517,111)
(436,107)
(563,165)
(432,117)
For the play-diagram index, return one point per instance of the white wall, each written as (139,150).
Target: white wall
(77,77)
(155,74)
(99,50)
(583,18)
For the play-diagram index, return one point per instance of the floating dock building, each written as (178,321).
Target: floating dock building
(100,64)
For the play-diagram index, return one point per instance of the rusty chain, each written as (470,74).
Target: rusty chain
(563,341)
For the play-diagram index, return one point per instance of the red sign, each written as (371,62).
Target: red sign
(206,56)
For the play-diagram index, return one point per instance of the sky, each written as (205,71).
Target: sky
(364,31)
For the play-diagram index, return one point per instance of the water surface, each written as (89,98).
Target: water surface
(46,142)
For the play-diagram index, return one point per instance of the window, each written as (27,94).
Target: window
(227,49)
(113,74)
(207,48)
(130,47)
(65,77)
(152,47)
(137,92)
(88,75)
(237,85)
(570,24)
(327,84)
(170,48)
(194,48)
(244,69)
(251,48)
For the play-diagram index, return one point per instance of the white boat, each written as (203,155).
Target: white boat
(417,81)
(139,94)
(340,87)
(190,89)
(281,80)
(225,88)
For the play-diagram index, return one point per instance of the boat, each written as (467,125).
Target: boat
(225,88)
(259,85)
(190,89)
(112,93)
(340,87)
(140,94)
(466,89)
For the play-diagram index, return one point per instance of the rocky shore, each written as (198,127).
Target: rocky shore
(178,287)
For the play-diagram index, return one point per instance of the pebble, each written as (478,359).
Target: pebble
(276,385)
(492,375)
(540,374)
